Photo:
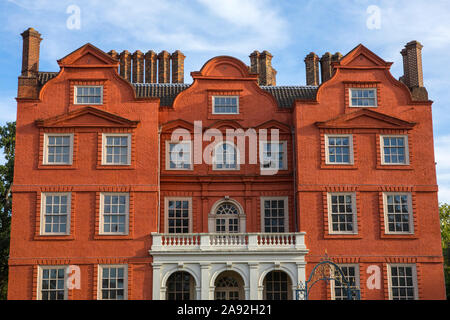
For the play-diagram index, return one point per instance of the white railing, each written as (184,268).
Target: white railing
(227,241)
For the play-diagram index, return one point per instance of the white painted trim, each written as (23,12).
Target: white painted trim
(286,213)
(410,211)
(362,89)
(238,157)
(212,215)
(44,195)
(39,279)
(168,143)
(100,278)
(45,151)
(75,94)
(224,96)
(166,212)
(327,152)
(354,212)
(285,153)
(101,213)
(405,136)
(104,136)
(414,275)
(357,277)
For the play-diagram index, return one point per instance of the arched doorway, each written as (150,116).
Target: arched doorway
(180,286)
(277,286)
(229,286)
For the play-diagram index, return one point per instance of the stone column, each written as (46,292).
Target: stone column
(157,281)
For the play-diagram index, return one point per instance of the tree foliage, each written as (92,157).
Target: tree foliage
(444,216)
(7,144)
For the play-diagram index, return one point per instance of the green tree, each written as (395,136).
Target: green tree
(444,215)
(7,144)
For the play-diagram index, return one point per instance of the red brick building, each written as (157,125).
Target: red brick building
(115,196)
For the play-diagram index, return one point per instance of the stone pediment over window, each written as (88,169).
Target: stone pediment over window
(365,119)
(88,56)
(87,117)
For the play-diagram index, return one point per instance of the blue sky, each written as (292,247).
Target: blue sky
(202,29)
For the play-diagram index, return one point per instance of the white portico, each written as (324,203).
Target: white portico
(208,266)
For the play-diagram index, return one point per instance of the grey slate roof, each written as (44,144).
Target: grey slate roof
(43,77)
(285,95)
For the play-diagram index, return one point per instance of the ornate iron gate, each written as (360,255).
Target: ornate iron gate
(327,270)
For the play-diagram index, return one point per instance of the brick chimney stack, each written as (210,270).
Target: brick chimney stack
(28,81)
(30,53)
(138,67)
(325,66)
(312,69)
(335,58)
(178,67)
(412,70)
(254,62)
(267,74)
(125,65)
(150,67)
(164,67)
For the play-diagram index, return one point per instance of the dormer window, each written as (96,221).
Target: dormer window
(88,95)
(363,97)
(225,104)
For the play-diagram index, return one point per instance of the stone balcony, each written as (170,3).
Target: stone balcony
(216,242)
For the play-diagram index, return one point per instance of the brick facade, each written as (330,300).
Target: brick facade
(145,110)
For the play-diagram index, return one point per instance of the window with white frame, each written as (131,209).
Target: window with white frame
(58,148)
(342,213)
(113,282)
(274,214)
(178,215)
(339,288)
(398,213)
(402,282)
(227,218)
(179,156)
(338,149)
(394,149)
(116,149)
(88,95)
(55,213)
(273,155)
(226,157)
(114,213)
(52,283)
(363,97)
(225,104)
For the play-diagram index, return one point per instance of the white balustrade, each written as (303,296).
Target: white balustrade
(227,241)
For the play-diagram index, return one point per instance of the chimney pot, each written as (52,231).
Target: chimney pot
(267,74)
(178,66)
(164,67)
(312,69)
(150,67)
(30,53)
(138,67)
(125,65)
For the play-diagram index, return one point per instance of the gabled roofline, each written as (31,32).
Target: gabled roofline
(54,121)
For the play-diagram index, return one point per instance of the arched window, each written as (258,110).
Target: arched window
(227,218)
(225,157)
(180,286)
(277,286)
(229,286)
